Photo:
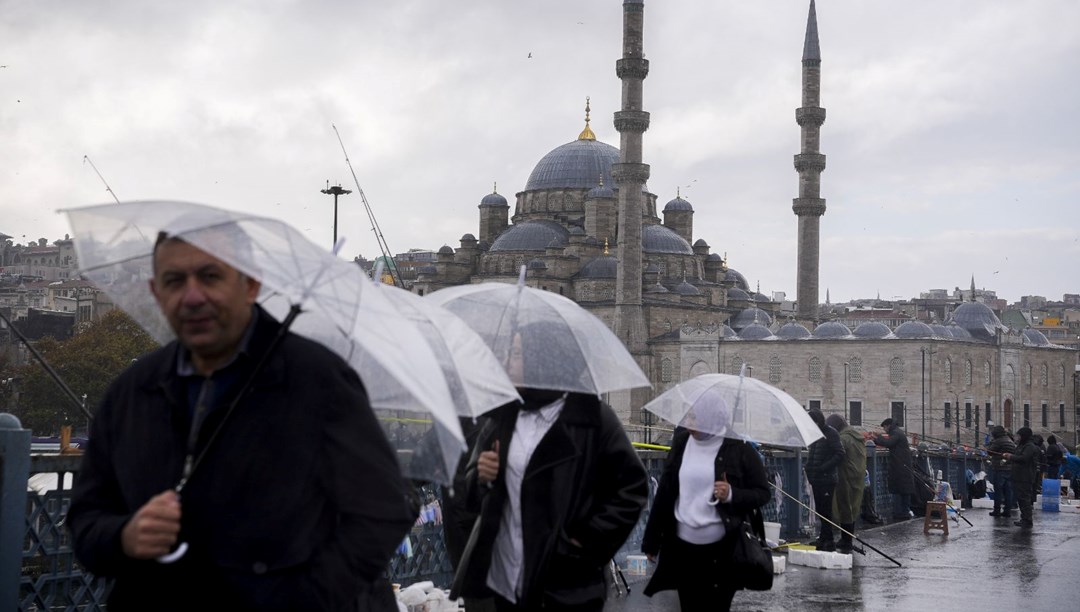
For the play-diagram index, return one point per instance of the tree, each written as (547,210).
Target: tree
(87,363)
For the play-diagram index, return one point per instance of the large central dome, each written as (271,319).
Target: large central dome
(580,164)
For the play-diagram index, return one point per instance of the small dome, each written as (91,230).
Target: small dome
(700,242)
(714,257)
(749,316)
(940,330)
(735,293)
(592,241)
(756,331)
(493,199)
(831,330)
(685,288)
(678,204)
(652,268)
(727,332)
(872,329)
(531,236)
(737,278)
(761,297)
(468,238)
(537,264)
(792,331)
(659,239)
(656,288)
(604,266)
(913,329)
(446,250)
(978,319)
(1034,337)
(576,230)
(959,332)
(600,192)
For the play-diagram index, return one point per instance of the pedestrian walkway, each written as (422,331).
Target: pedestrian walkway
(989,565)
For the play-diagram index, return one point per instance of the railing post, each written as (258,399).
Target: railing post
(14,474)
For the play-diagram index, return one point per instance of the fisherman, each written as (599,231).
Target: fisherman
(1000,472)
(901,479)
(1023,463)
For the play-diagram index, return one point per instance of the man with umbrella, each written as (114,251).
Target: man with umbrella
(290,496)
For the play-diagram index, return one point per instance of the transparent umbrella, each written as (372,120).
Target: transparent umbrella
(544,340)
(736,407)
(340,308)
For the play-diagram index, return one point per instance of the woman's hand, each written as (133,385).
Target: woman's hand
(487,464)
(721,490)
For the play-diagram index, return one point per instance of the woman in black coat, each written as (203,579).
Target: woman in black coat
(710,485)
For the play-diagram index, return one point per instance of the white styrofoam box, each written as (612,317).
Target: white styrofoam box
(779,564)
(982,502)
(637,565)
(819,559)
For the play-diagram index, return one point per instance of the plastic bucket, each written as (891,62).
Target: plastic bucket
(1051,495)
(772,533)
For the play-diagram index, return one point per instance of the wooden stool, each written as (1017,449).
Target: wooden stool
(937,517)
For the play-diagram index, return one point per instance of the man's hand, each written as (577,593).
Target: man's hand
(153,530)
(487,465)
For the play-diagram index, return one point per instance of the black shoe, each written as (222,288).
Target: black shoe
(827,546)
(1007,514)
(844,548)
(995,513)
(1024,524)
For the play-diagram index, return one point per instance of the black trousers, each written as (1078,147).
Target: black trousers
(504,605)
(823,503)
(701,582)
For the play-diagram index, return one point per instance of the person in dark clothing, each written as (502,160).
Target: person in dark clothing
(1040,463)
(851,473)
(458,518)
(559,488)
(1000,472)
(822,462)
(1023,463)
(901,478)
(1055,457)
(298,502)
(688,529)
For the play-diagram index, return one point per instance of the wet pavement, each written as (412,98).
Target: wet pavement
(990,565)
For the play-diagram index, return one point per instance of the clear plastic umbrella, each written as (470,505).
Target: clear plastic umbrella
(544,340)
(340,307)
(477,381)
(736,407)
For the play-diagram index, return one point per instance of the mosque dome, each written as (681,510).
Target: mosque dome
(446,250)
(737,278)
(657,288)
(756,331)
(659,239)
(493,199)
(604,266)
(574,165)
(714,257)
(761,297)
(678,204)
(468,238)
(1034,337)
(576,230)
(727,332)
(959,332)
(940,330)
(600,192)
(872,329)
(735,293)
(537,264)
(792,331)
(978,319)
(915,329)
(685,288)
(535,235)
(749,316)
(831,330)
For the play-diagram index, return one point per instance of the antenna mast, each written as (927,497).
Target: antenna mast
(383,248)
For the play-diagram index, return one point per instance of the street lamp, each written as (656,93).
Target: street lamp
(335,191)
(845,391)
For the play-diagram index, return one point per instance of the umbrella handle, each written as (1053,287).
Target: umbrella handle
(175,555)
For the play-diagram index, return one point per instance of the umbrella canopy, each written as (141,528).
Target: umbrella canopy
(736,407)
(544,340)
(341,309)
(477,381)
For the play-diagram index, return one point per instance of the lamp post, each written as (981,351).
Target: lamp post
(335,191)
(845,391)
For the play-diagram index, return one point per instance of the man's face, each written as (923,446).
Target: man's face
(207,302)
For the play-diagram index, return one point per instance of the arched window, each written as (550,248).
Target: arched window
(1027,375)
(736,365)
(896,371)
(774,369)
(1061,375)
(948,371)
(855,369)
(986,373)
(814,370)
(1044,376)
(665,370)
(967,373)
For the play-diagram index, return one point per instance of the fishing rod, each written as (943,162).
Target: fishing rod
(842,530)
(383,248)
(86,160)
(934,493)
(48,368)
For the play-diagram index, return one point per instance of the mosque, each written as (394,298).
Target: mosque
(586,226)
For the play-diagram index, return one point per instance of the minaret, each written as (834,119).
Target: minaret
(630,176)
(809,206)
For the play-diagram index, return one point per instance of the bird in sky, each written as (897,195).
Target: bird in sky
(530,54)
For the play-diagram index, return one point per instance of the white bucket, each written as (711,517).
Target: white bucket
(772,533)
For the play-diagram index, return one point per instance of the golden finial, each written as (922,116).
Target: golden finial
(605,246)
(587,133)
(723,262)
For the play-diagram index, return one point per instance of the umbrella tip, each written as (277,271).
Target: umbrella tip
(521,276)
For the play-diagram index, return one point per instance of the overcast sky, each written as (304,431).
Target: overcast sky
(952,138)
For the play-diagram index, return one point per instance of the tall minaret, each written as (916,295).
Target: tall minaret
(630,176)
(809,206)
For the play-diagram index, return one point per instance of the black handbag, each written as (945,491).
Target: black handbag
(752,563)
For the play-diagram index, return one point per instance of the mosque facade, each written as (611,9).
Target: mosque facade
(586,226)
